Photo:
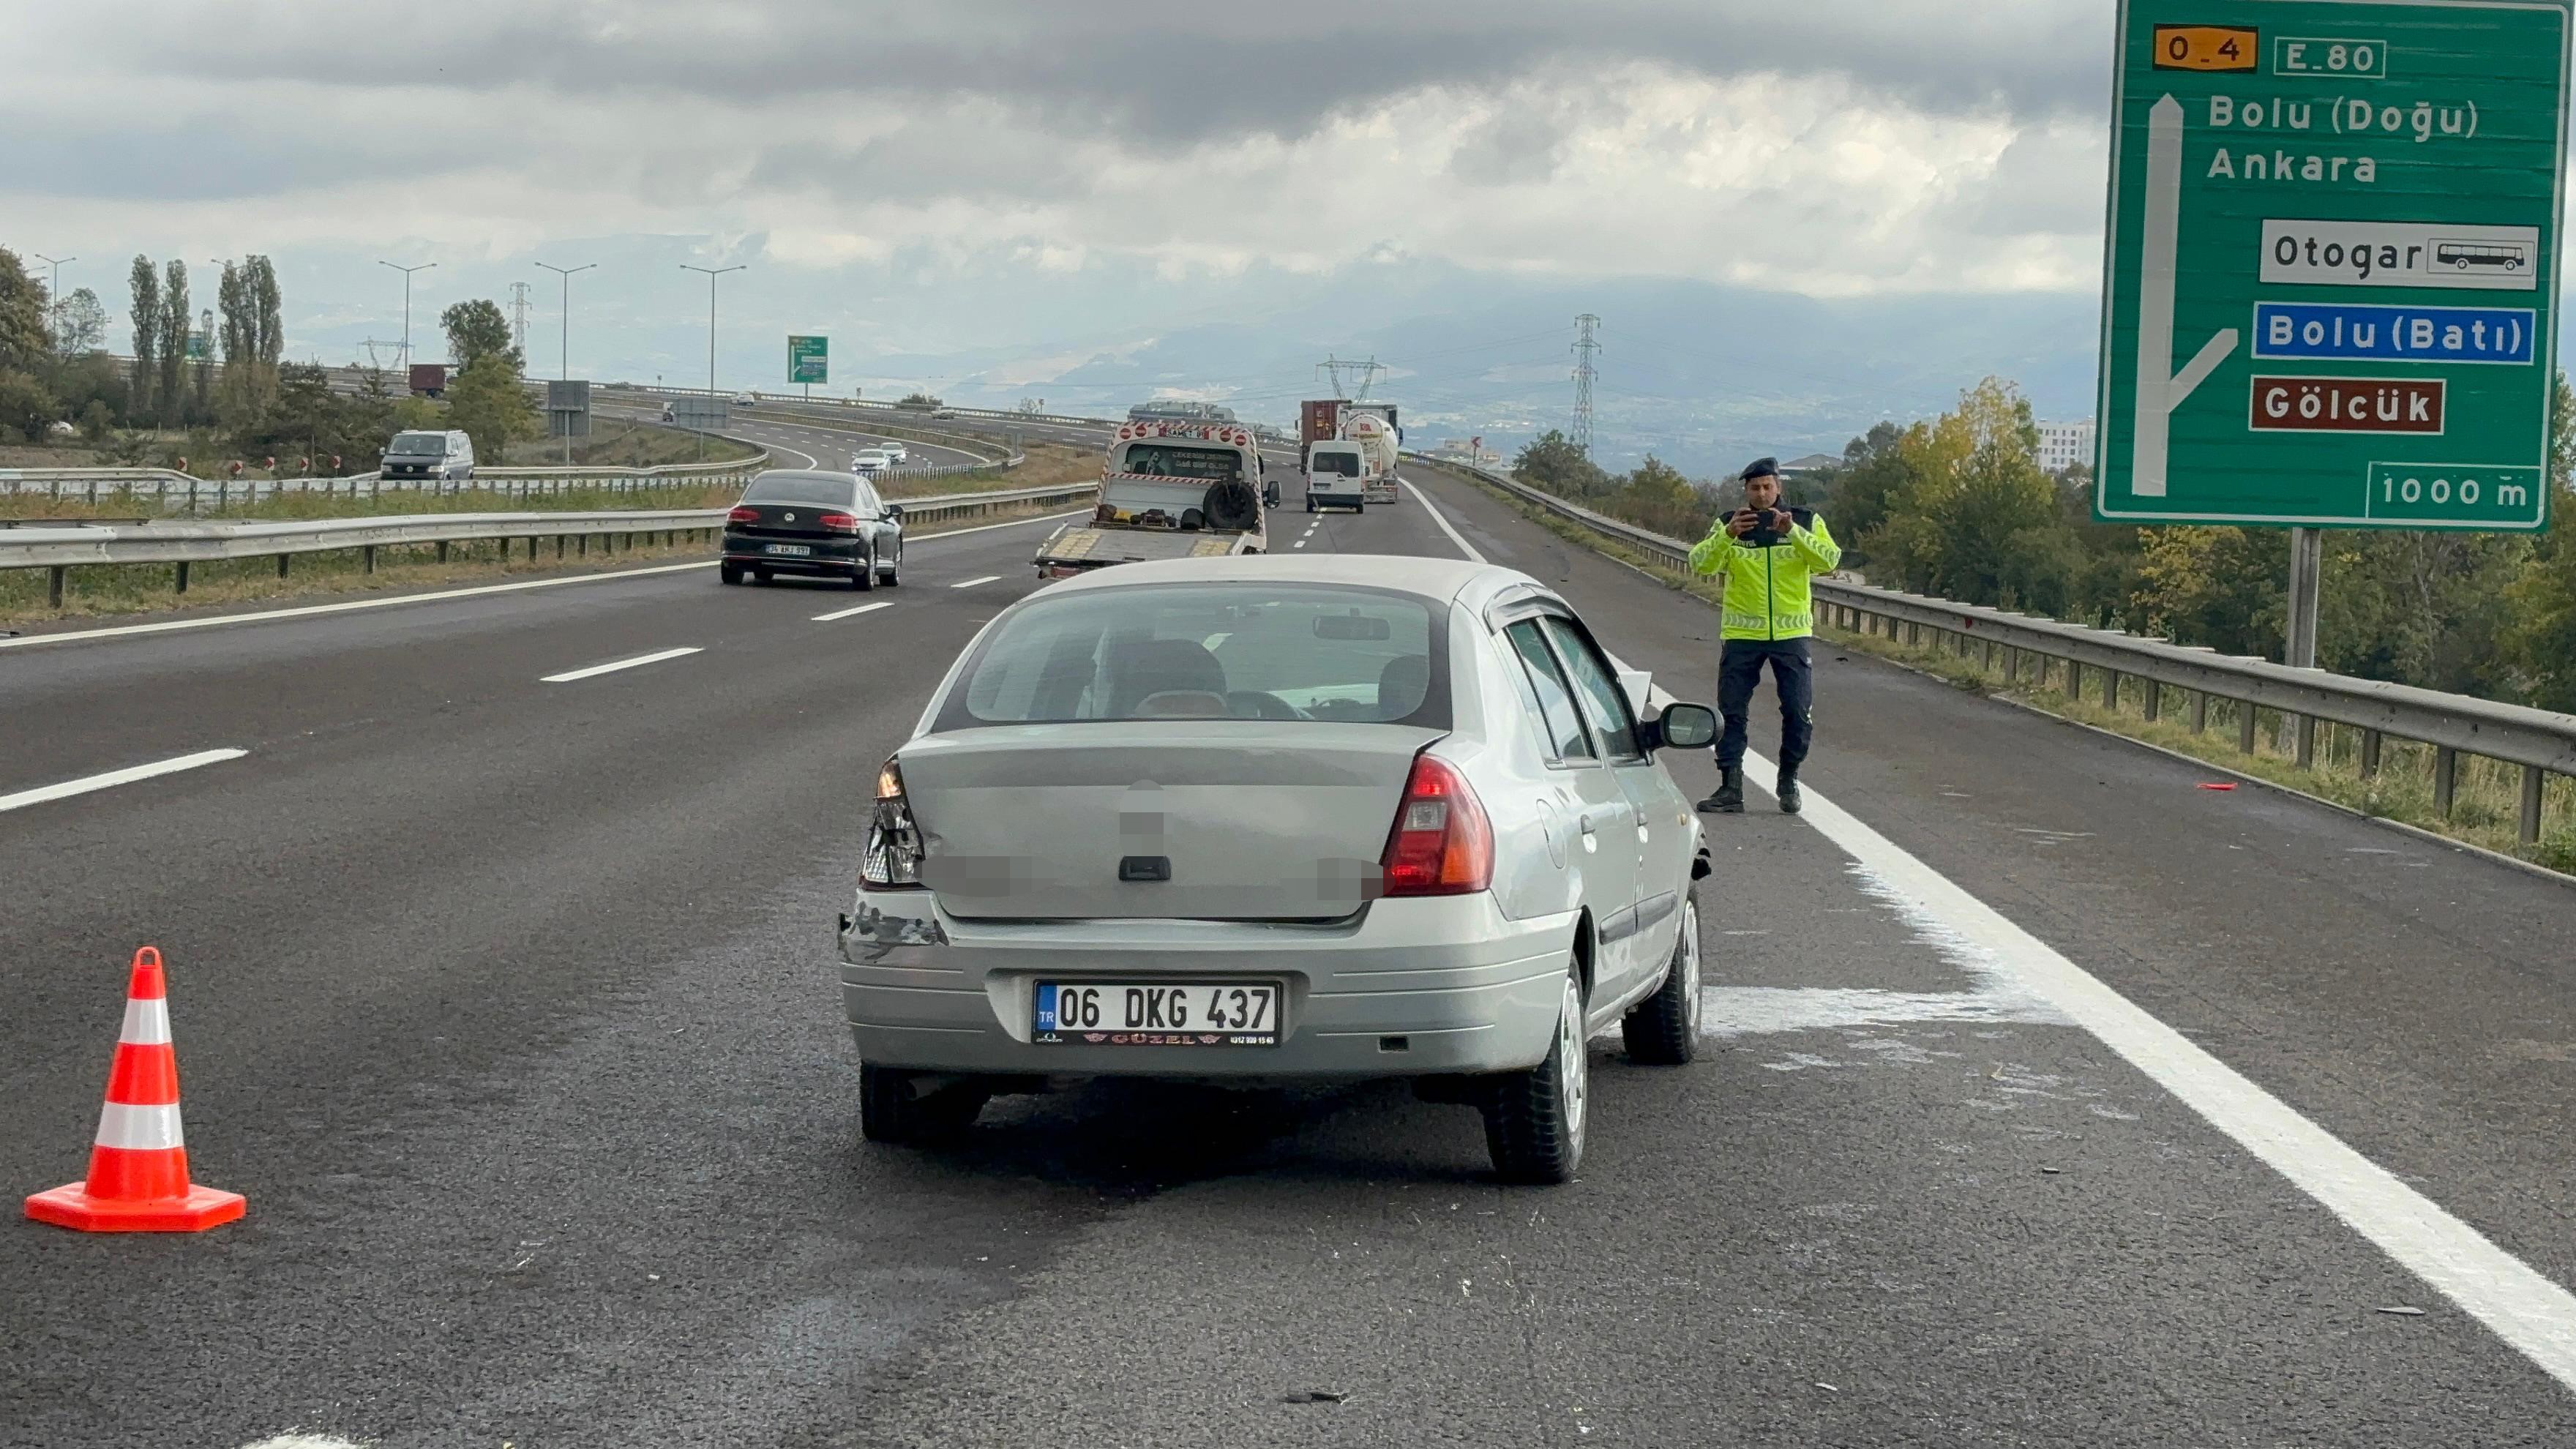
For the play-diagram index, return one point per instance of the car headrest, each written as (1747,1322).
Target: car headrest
(1401,684)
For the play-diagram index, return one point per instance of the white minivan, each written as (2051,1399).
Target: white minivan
(446,456)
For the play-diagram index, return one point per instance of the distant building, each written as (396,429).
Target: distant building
(2066,445)
(1810,465)
(1468,450)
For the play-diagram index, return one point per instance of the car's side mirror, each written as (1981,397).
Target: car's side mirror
(894,511)
(1682,726)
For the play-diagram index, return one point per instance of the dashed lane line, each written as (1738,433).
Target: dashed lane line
(970,583)
(849,613)
(112,778)
(614,665)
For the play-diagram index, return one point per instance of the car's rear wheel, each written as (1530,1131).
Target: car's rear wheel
(866,577)
(730,573)
(1663,1029)
(893,574)
(894,1108)
(1534,1119)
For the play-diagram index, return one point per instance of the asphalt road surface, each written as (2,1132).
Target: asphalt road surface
(825,441)
(2050,1099)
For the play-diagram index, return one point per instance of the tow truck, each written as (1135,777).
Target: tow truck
(1169,490)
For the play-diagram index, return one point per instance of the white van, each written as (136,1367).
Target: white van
(1334,473)
(442,456)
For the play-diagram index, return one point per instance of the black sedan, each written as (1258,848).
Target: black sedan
(820,524)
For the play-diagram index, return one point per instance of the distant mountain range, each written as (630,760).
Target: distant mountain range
(1704,377)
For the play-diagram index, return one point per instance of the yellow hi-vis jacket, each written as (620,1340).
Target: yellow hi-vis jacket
(1766,585)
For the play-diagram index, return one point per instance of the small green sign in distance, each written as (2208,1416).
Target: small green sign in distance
(2330,288)
(809,359)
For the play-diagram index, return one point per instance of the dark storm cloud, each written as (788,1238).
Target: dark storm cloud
(1152,72)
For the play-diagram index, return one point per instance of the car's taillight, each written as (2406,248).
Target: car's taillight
(893,856)
(1442,844)
(743,515)
(840,522)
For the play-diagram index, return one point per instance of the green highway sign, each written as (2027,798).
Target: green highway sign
(809,359)
(2330,295)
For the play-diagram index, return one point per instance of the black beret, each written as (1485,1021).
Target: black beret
(1760,468)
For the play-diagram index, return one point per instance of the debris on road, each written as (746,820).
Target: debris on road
(2218,784)
(2402,1311)
(1315,1396)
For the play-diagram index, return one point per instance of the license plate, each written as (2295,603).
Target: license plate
(792,550)
(1163,1013)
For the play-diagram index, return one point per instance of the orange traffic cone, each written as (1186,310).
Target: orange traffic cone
(138,1168)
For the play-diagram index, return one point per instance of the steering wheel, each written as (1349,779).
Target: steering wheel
(1260,704)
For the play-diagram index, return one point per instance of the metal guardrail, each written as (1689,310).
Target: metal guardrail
(79,545)
(2542,742)
(185,493)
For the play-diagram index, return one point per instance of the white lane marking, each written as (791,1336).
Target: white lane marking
(127,776)
(970,583)
(810,460)
(341,608)
(612,667)
(846,613)
(2527,1310)
(1442,519)
(1301,543)
(295,1439)
(269,615)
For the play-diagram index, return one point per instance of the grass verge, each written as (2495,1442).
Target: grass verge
(2486,805)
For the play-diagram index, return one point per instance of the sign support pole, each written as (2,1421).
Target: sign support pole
(2307,562)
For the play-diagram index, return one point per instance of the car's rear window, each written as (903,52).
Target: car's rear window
(1209,651)
(801,488)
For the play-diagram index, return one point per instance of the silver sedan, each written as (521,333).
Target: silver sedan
(1329,817)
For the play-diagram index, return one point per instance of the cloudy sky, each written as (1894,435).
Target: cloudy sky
(1089,202)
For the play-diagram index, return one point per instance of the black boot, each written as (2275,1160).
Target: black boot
(1788,791)
(1729,799)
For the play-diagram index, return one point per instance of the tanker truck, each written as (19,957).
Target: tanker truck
(1169,490)
(1369,425)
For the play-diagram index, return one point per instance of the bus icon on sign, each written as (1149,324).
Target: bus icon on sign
(2481,255)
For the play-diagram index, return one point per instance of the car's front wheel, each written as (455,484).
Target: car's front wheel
(894,1108)
(1534,1119)
(1663,1029)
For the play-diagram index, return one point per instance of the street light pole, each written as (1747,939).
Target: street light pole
(712,273)
(54,293)
(564,366)
(406,342)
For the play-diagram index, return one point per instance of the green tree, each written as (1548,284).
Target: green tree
(26,345)
(80,323)
(490,402)
(172,343)
(1551,461)
(1873,467)
(2539,641)
(145,286)
(28,409)
(477,330)
(1657,496)
(1974,518)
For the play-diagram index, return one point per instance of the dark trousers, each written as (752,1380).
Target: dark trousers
(1739,674)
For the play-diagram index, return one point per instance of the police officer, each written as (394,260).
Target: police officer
(1767,554)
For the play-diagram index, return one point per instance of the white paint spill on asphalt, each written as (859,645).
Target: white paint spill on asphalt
(1993,994)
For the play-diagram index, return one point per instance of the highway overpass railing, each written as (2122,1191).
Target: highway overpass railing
(68,544)
(2541,742)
